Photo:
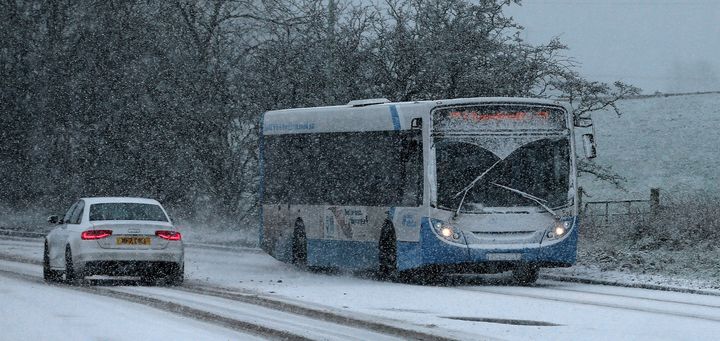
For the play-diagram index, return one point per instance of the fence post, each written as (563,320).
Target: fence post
(580,201)
(654,200)
(607,213)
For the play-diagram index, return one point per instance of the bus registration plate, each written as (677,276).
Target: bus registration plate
(504,256)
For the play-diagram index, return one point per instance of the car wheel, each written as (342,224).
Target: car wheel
(177,275)
(299,245)
(70,275)
(387,253)
(525,275)
(49,274)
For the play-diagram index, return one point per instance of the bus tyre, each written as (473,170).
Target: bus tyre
(299,245)
(525,275)
(387,253)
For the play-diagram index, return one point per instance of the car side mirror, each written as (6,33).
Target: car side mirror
(589,146)
(53,219)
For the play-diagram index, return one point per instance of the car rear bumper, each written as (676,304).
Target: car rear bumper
(94,260)
(130,255)
(131,268)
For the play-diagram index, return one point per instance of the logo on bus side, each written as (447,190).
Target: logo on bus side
(289,126)
(409,220)
(345,219)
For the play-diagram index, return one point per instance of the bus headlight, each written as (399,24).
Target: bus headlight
(445,230)
(560,229)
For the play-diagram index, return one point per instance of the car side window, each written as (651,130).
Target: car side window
(69,213)
(77,214)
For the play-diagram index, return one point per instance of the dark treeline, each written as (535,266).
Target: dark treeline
(162,98)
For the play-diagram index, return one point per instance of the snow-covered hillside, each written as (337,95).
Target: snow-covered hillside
(669,143)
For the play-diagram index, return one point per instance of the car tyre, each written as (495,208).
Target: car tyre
(299,245)
(176,275)
(525,275)
(148,280)
(70,274)
(49,275)
(387,253)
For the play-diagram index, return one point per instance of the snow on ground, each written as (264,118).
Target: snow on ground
(35,311)
(595,273)
(430,306)
(564,311)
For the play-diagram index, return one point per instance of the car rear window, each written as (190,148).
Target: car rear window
(126,211)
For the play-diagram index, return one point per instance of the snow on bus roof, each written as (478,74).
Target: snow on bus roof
(374,117)
(102,200)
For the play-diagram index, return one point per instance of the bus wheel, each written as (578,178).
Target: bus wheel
(299,245)
(387,252)
(525,274)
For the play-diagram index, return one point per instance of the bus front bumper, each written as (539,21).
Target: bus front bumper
(432,251)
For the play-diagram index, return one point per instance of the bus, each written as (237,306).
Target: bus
(469,185)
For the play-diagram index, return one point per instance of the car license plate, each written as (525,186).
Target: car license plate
(132,241)
(504,256)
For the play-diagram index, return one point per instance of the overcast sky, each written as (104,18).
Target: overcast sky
(658,45)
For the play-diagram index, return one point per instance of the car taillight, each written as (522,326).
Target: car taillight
(95,234)
(169,235)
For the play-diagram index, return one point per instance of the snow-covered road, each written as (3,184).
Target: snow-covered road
(466,309)
(36,311)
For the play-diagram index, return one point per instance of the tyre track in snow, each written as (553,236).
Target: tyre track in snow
(324,314)
(171,307)
(307,322)
(298,324)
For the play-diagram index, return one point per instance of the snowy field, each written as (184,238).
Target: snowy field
(467,309)
(669,143)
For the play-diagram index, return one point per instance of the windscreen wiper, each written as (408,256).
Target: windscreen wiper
(528,196)
(467,188)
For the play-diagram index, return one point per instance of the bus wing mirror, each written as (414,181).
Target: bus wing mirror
(583,122)
(589,146)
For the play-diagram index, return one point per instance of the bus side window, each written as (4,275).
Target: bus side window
(411,168)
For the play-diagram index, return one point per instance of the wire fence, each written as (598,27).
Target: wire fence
(613,212)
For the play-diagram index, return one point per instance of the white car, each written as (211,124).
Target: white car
(117,237)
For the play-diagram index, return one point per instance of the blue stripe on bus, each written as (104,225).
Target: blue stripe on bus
(395,117)
(344,254)
(409,255)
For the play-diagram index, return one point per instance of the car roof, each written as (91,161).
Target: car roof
(103,200)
